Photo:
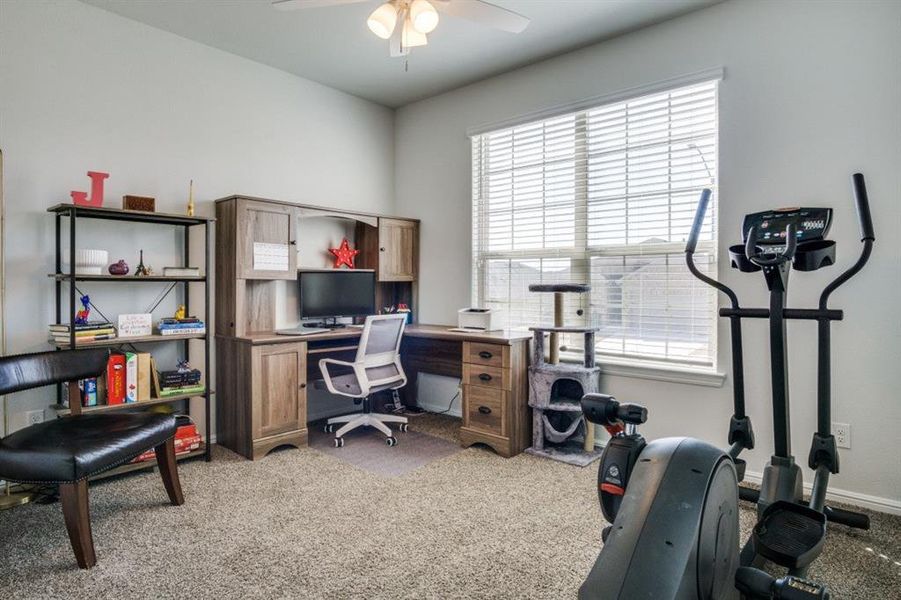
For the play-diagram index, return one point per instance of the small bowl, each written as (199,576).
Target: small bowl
(90,262)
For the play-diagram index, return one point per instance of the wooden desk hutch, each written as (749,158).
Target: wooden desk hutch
(262,377)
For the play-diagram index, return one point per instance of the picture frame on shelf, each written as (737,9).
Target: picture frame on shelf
(135,325)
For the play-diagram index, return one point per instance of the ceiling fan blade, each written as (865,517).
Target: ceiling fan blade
(483,12)
(298,4)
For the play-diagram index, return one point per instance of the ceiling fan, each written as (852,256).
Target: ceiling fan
(405,23)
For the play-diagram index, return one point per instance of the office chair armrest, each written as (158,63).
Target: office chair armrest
(359,373)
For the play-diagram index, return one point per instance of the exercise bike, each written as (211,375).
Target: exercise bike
(673,502)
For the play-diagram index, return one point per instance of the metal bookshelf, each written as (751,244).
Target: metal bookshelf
(69,280)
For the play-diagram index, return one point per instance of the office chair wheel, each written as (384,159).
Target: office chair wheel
(391,441)
(339,442)
(404,427)
(328,428)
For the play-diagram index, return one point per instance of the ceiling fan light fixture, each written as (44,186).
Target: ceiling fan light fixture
(410,37)
(423,16)
(383,20)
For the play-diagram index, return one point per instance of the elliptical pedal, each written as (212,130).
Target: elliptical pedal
(789,534)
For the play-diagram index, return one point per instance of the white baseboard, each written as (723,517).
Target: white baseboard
(877,503)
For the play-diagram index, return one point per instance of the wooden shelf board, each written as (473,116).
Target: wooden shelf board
(64,410)
(119,214)
(132,340)
(128,278)
(147,464)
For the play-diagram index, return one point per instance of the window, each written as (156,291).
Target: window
(604,195)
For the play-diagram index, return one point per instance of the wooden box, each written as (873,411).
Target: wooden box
(143,203)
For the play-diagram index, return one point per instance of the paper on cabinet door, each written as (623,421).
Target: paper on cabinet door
(270,257)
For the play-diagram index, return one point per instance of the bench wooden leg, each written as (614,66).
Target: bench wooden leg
(165,459)
(74,500)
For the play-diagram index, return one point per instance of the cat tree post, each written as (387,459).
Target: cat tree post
(558,322)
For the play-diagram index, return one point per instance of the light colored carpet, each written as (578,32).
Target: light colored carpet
(365,448)
(301,524)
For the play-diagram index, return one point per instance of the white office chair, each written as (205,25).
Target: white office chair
(376,368)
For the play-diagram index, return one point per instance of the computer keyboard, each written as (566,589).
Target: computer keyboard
(302,331)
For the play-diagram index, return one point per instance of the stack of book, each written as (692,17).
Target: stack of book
(181,271)
(191,325)
(180,382)
(87,332)
(127,379)
(187,439)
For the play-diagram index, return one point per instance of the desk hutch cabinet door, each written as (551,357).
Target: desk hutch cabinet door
(279,389)
(266,240)
(398,250)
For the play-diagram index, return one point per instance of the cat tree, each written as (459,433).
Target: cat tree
(559,430)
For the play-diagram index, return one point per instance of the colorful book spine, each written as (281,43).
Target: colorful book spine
(187,439)
(115,379)
(143,376)
(131,377)
(181,325)
(82,326)
(182,446)
(183,331)
(88,389)
(181,391)
(84,339)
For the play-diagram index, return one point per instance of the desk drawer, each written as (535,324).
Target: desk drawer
(493,377)
(493,355)
(485,409)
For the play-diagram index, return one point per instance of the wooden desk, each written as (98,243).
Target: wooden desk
(263,379)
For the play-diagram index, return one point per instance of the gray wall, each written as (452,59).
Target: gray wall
(83,89)
(811,94)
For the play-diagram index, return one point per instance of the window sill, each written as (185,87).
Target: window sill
(668,373)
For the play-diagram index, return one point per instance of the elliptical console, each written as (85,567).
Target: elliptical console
(673,502)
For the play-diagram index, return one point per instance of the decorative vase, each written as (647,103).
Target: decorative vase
(90,262)
(119,268)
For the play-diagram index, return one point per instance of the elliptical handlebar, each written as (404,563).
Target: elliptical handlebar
(692,244)
(698,222)
(863,208)
(867,236)
(740,431)
(761,259)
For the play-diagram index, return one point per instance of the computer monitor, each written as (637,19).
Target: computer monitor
(331,294)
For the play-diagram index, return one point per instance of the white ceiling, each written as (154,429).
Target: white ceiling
(333,45)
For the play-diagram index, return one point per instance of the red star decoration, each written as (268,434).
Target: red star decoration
(344,255)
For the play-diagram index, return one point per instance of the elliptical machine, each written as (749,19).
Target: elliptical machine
(673,503)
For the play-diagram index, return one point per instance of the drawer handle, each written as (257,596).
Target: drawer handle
(484,376)
(484,410)
(485,354)
(303,385)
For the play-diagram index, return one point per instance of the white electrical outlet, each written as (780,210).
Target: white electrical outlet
(842,433)
(33,417)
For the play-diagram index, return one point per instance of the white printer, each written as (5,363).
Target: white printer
(478,319)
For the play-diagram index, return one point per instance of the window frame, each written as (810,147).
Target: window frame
(581,253)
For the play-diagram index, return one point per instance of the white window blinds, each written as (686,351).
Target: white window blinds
(604,195)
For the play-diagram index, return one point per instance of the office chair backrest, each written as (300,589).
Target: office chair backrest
(379,349)
(27,371)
